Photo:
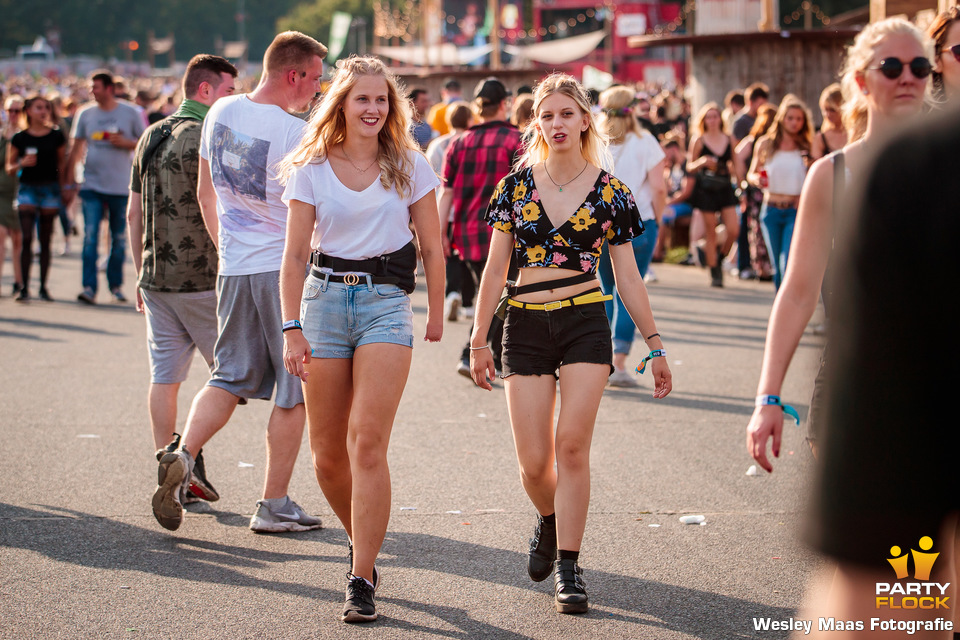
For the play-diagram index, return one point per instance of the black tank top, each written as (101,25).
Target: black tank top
(722,160)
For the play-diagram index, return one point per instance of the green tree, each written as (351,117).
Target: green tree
(313,18)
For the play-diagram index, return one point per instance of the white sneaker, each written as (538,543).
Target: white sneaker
(622,378)
(651,276)
(467,312)
(451,306)
(289,517)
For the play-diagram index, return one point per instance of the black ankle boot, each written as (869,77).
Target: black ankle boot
(716,276)
(570,589)
(543,549)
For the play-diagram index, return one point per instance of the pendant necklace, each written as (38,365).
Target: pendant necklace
(561,186)
(375,160)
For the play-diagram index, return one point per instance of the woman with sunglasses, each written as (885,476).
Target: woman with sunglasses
(832,135)
(37,155)
(778,168)
(9,220)
(885,83)
(353,185)
(945,31)
(554,215)
(710,160)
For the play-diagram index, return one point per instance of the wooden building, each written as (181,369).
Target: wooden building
(737,42)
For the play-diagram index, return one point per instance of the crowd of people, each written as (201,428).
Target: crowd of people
(296,215)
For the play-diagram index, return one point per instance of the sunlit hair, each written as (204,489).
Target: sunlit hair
(700,122)
(766,114)
(458,115)
(26,121)
(938,33)
(859,56)
(778,131)
(617,119)
(832,96)
(291,50)
(327,126)
(593,142)
(522,110)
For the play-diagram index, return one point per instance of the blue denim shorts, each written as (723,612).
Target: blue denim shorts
(337,317)
(41,196)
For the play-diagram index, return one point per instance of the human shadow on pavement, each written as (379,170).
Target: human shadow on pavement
(27,328)
(95,542)
(649,604)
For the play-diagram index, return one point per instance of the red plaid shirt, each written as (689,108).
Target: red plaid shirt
(472,166)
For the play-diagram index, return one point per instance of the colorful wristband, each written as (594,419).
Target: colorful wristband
(657,353)
(763,401)
(291,324)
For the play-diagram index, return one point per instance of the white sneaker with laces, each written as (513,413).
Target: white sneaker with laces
(289,517)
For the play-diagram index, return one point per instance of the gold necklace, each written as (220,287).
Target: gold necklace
(561,186)
(347,155)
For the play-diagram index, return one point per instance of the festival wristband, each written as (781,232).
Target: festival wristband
(292,324)
(658,353)
(763,401)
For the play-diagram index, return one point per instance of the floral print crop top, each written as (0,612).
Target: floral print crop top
(608,212)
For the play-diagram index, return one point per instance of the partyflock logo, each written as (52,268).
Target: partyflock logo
(918,593)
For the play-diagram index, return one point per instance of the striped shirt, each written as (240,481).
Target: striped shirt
(473,165)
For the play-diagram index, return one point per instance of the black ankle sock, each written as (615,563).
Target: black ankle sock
(563,554)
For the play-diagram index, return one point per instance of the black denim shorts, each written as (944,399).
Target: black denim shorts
(540,342)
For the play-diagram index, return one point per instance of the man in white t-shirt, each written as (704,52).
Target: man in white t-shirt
(243,139)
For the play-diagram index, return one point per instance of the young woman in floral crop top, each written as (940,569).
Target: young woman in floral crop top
(555,214)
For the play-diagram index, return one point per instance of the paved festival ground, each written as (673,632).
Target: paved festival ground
(81,555)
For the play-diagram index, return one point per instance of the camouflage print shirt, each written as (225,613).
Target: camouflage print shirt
(178,254)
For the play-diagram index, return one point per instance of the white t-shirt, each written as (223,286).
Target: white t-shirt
(632,161)
(244,141)
(356,225)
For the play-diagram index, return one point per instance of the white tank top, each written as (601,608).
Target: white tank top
(785,173)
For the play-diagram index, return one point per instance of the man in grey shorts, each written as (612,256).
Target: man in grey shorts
(175,258)
(243,139)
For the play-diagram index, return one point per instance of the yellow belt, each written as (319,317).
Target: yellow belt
(586,298)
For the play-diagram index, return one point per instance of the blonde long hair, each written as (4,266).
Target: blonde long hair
(859,56)
(327,126)
(617,118)
(593,142)
(803,139)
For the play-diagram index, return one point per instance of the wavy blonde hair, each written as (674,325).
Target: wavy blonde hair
(617,119)
(855,111)
(327,126)
(700,121)
(593,142)
(777,132)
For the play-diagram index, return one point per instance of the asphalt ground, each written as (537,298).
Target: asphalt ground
(81,555)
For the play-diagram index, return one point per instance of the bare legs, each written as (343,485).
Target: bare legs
(351,405)
(566,489)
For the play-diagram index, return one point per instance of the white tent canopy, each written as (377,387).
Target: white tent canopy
(443,55)
(559,51)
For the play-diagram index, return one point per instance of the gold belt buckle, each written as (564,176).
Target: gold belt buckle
(553,306)
(351,279)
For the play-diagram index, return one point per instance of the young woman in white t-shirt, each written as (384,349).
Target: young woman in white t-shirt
(638,162)
(353,184)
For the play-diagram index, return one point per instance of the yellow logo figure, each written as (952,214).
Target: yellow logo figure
(923,562)
(899,564)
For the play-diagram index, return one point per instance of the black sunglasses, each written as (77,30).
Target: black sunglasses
(892,68)
(14,110)
(955,50)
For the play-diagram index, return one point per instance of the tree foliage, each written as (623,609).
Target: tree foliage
(313,18)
